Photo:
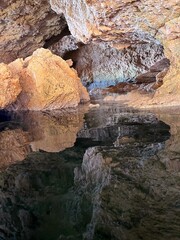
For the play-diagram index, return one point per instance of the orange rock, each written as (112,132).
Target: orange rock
(47,83)
(9,86)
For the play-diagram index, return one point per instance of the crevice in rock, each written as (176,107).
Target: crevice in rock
(56,38)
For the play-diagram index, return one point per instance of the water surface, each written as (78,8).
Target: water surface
(106,173)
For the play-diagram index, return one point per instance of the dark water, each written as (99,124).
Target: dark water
(106,173)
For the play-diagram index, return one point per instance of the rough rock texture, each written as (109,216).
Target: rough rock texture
(100,65)
(125,21)
(25,26)
(170,156)
(170,90)
(122,23)
(9,86)
(66,44)
(145,82)
(47,82)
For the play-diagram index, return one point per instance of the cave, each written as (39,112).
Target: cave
(89,120)
(115,49)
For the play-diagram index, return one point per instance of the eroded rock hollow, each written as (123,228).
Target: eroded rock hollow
(109,41)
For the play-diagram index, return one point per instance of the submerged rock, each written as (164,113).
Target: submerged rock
(47,82)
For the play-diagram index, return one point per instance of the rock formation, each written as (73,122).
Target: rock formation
(9,86)
(25,26)
(169,93)
(65,45)
(46,80)
(122,24)
(124,38)
(99,65)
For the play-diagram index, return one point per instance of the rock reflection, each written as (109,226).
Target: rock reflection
(52,131)
(114,183)
(14,146)
(171,155)
(34,131)
(90,179)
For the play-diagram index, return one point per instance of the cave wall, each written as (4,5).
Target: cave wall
(25,26)
(116,21)
(118,28)
(121,23)
(100,65)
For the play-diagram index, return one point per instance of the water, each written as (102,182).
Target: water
(106,173)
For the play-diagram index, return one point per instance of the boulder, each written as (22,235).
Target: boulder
(47,83)
(9,86)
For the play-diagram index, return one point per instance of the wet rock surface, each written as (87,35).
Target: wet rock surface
(119,181)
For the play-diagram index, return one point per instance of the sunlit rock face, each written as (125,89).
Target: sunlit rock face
(9,86)
(24,27)
(47,82)
(79,17)
(169,92)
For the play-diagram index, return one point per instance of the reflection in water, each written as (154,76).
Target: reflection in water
(14,146)
(52,131)
(171,155)
(119,181)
